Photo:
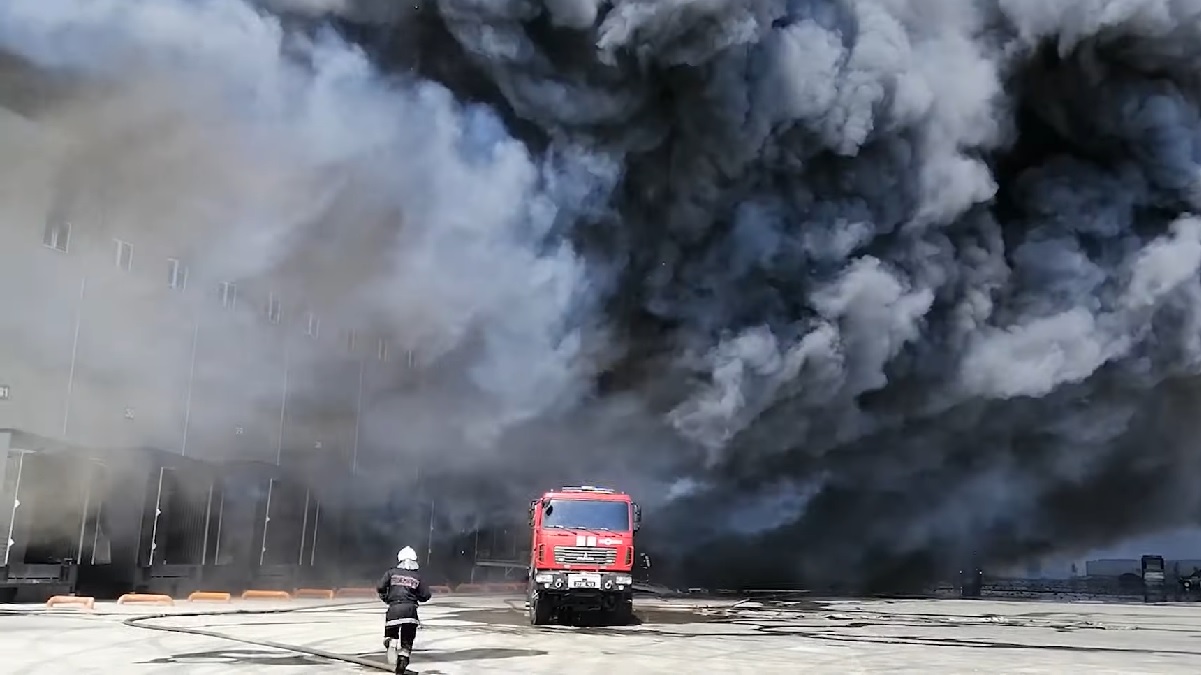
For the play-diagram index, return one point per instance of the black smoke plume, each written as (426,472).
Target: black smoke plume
(912,282)
(925,273)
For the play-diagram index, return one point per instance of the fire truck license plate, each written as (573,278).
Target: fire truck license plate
(583,581)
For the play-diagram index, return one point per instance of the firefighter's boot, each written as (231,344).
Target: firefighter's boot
(391,644)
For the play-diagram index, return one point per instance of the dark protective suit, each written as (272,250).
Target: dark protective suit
(403,590)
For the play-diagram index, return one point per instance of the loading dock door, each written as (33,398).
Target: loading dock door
(181,505)
(45,510)
(185,504)
(286,526)
(236,526)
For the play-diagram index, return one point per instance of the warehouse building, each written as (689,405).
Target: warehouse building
(129,326)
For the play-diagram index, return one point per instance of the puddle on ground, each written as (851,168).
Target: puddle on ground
(677,617)
(516,616)
(244,657)
(460,655)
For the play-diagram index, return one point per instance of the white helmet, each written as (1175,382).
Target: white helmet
(407,558)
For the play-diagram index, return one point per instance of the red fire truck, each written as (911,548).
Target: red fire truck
(582,554)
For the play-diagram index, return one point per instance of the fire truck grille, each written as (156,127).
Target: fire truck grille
(585,555)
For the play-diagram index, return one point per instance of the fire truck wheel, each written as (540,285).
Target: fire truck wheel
(622,614)
(540,611)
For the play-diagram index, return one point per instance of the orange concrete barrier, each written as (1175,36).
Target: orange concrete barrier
(209,596)
(145,599)
(502,588)
(82,601)
(440,590)
(470,588)
(266,595)
(322,593)
(356,592)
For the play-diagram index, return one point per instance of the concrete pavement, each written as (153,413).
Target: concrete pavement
(488,635)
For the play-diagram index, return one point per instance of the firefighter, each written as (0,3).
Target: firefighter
(403,589)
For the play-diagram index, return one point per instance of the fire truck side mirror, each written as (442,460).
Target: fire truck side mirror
(637,517)
(533,505)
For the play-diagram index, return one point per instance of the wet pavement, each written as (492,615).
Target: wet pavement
(486,635)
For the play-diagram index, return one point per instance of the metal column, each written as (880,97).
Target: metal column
(8,537)
(158,512)
(266,521)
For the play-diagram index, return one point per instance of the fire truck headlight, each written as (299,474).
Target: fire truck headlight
(623,579)
(544,578)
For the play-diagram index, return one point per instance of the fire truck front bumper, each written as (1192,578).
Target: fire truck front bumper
(571,581)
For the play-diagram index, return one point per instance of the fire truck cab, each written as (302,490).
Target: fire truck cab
(582,554)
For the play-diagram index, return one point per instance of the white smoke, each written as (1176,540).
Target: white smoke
(424,218)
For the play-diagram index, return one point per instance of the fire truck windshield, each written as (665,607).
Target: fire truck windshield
(587,514)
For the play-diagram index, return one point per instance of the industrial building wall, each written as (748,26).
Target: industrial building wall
(42,373)
(106,342)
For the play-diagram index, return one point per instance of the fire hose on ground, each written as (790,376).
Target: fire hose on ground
(137,622)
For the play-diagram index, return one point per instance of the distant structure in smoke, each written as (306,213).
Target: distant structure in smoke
(891,286)
(125,326)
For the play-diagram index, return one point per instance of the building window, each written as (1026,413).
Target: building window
(177,274)
(312,325)
(229,295)
(123,254)
(57,235)
(274,308)
(352,341)
(381,350)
